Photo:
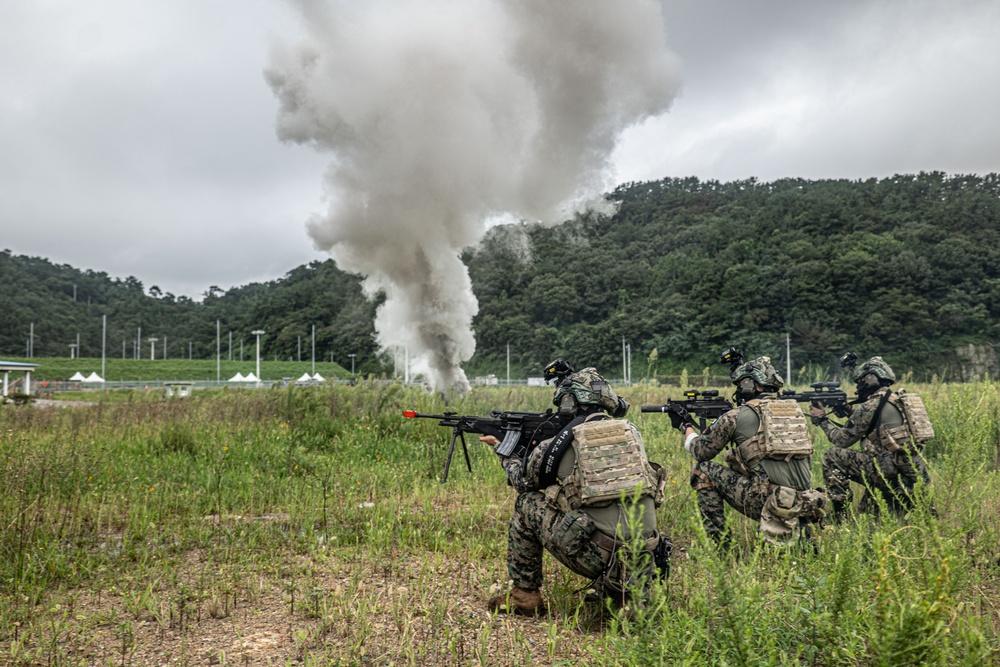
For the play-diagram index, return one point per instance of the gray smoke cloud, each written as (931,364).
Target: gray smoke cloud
(443,114)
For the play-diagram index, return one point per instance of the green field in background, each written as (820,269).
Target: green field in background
(62,368)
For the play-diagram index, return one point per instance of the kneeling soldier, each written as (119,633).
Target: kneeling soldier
(892,427)
(584,495)
(768,476)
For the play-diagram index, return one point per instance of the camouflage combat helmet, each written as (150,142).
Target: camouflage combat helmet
(875,366)
(586,388)
(762,372)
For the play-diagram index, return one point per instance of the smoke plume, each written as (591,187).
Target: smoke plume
(441,114)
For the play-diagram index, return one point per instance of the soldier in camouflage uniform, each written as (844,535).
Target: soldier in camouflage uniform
(892,473)
(585,539)
(774,490)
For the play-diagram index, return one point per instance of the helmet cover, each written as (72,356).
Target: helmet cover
(877,367)
(762,372)
(587,388)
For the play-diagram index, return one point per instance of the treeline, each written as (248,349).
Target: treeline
(61,302)
(907,267)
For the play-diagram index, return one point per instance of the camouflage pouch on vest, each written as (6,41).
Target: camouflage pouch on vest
(915,416)
(609,462)
(894,439)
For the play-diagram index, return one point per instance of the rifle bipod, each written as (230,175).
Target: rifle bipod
(455,434)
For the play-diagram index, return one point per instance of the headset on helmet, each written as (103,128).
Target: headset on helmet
(588,388)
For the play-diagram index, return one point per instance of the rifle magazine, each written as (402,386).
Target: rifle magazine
(509,444)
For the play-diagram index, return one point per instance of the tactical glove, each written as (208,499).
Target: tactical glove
(680,419)
(817,413)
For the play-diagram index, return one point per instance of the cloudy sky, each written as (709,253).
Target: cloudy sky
(137,137)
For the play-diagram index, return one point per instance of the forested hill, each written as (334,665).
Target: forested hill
(62,301)
(907,267)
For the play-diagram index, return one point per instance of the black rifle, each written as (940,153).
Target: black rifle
(704,405)
(516,431)
(824,394)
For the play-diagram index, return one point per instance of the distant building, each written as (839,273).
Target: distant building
(8,367)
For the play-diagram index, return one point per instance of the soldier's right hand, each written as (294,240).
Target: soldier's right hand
(490,440)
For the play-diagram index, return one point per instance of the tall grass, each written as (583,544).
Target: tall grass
(308,525)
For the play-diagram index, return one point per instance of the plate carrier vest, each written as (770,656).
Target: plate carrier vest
(915,430)
(782,435)
(609,462)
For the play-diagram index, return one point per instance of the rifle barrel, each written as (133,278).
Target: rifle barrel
(413,414)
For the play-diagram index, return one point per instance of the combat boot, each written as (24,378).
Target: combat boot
(518,601)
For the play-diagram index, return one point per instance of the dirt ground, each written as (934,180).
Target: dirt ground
(430,612)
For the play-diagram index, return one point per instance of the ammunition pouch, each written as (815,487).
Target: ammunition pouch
(572,533)
(786,508)
(659,494)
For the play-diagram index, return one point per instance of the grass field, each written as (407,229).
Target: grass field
(62,368)
(307,526)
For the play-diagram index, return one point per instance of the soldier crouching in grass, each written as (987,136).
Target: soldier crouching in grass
(769,456)
(587,495)
(892,427)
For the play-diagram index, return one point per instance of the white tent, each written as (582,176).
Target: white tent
(250,377)
(305,378)
(77,377)
(319,378)
(237,378)
(93,377)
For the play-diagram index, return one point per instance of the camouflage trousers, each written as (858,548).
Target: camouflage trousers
(714,483)
(536,526)
(892,474)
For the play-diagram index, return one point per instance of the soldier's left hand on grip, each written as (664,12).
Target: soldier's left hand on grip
(680,418)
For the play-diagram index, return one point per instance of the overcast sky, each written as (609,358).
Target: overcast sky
(137,137)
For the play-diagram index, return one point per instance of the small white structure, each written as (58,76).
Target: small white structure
(178,388)
(536,382)
(251,378)
(305,379)
(237,378)
(77,377)
(93,377)
(18,367)
(319,378)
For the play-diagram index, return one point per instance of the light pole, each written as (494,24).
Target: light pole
(72,350)
(258,333)
(352,362)
(152,347)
